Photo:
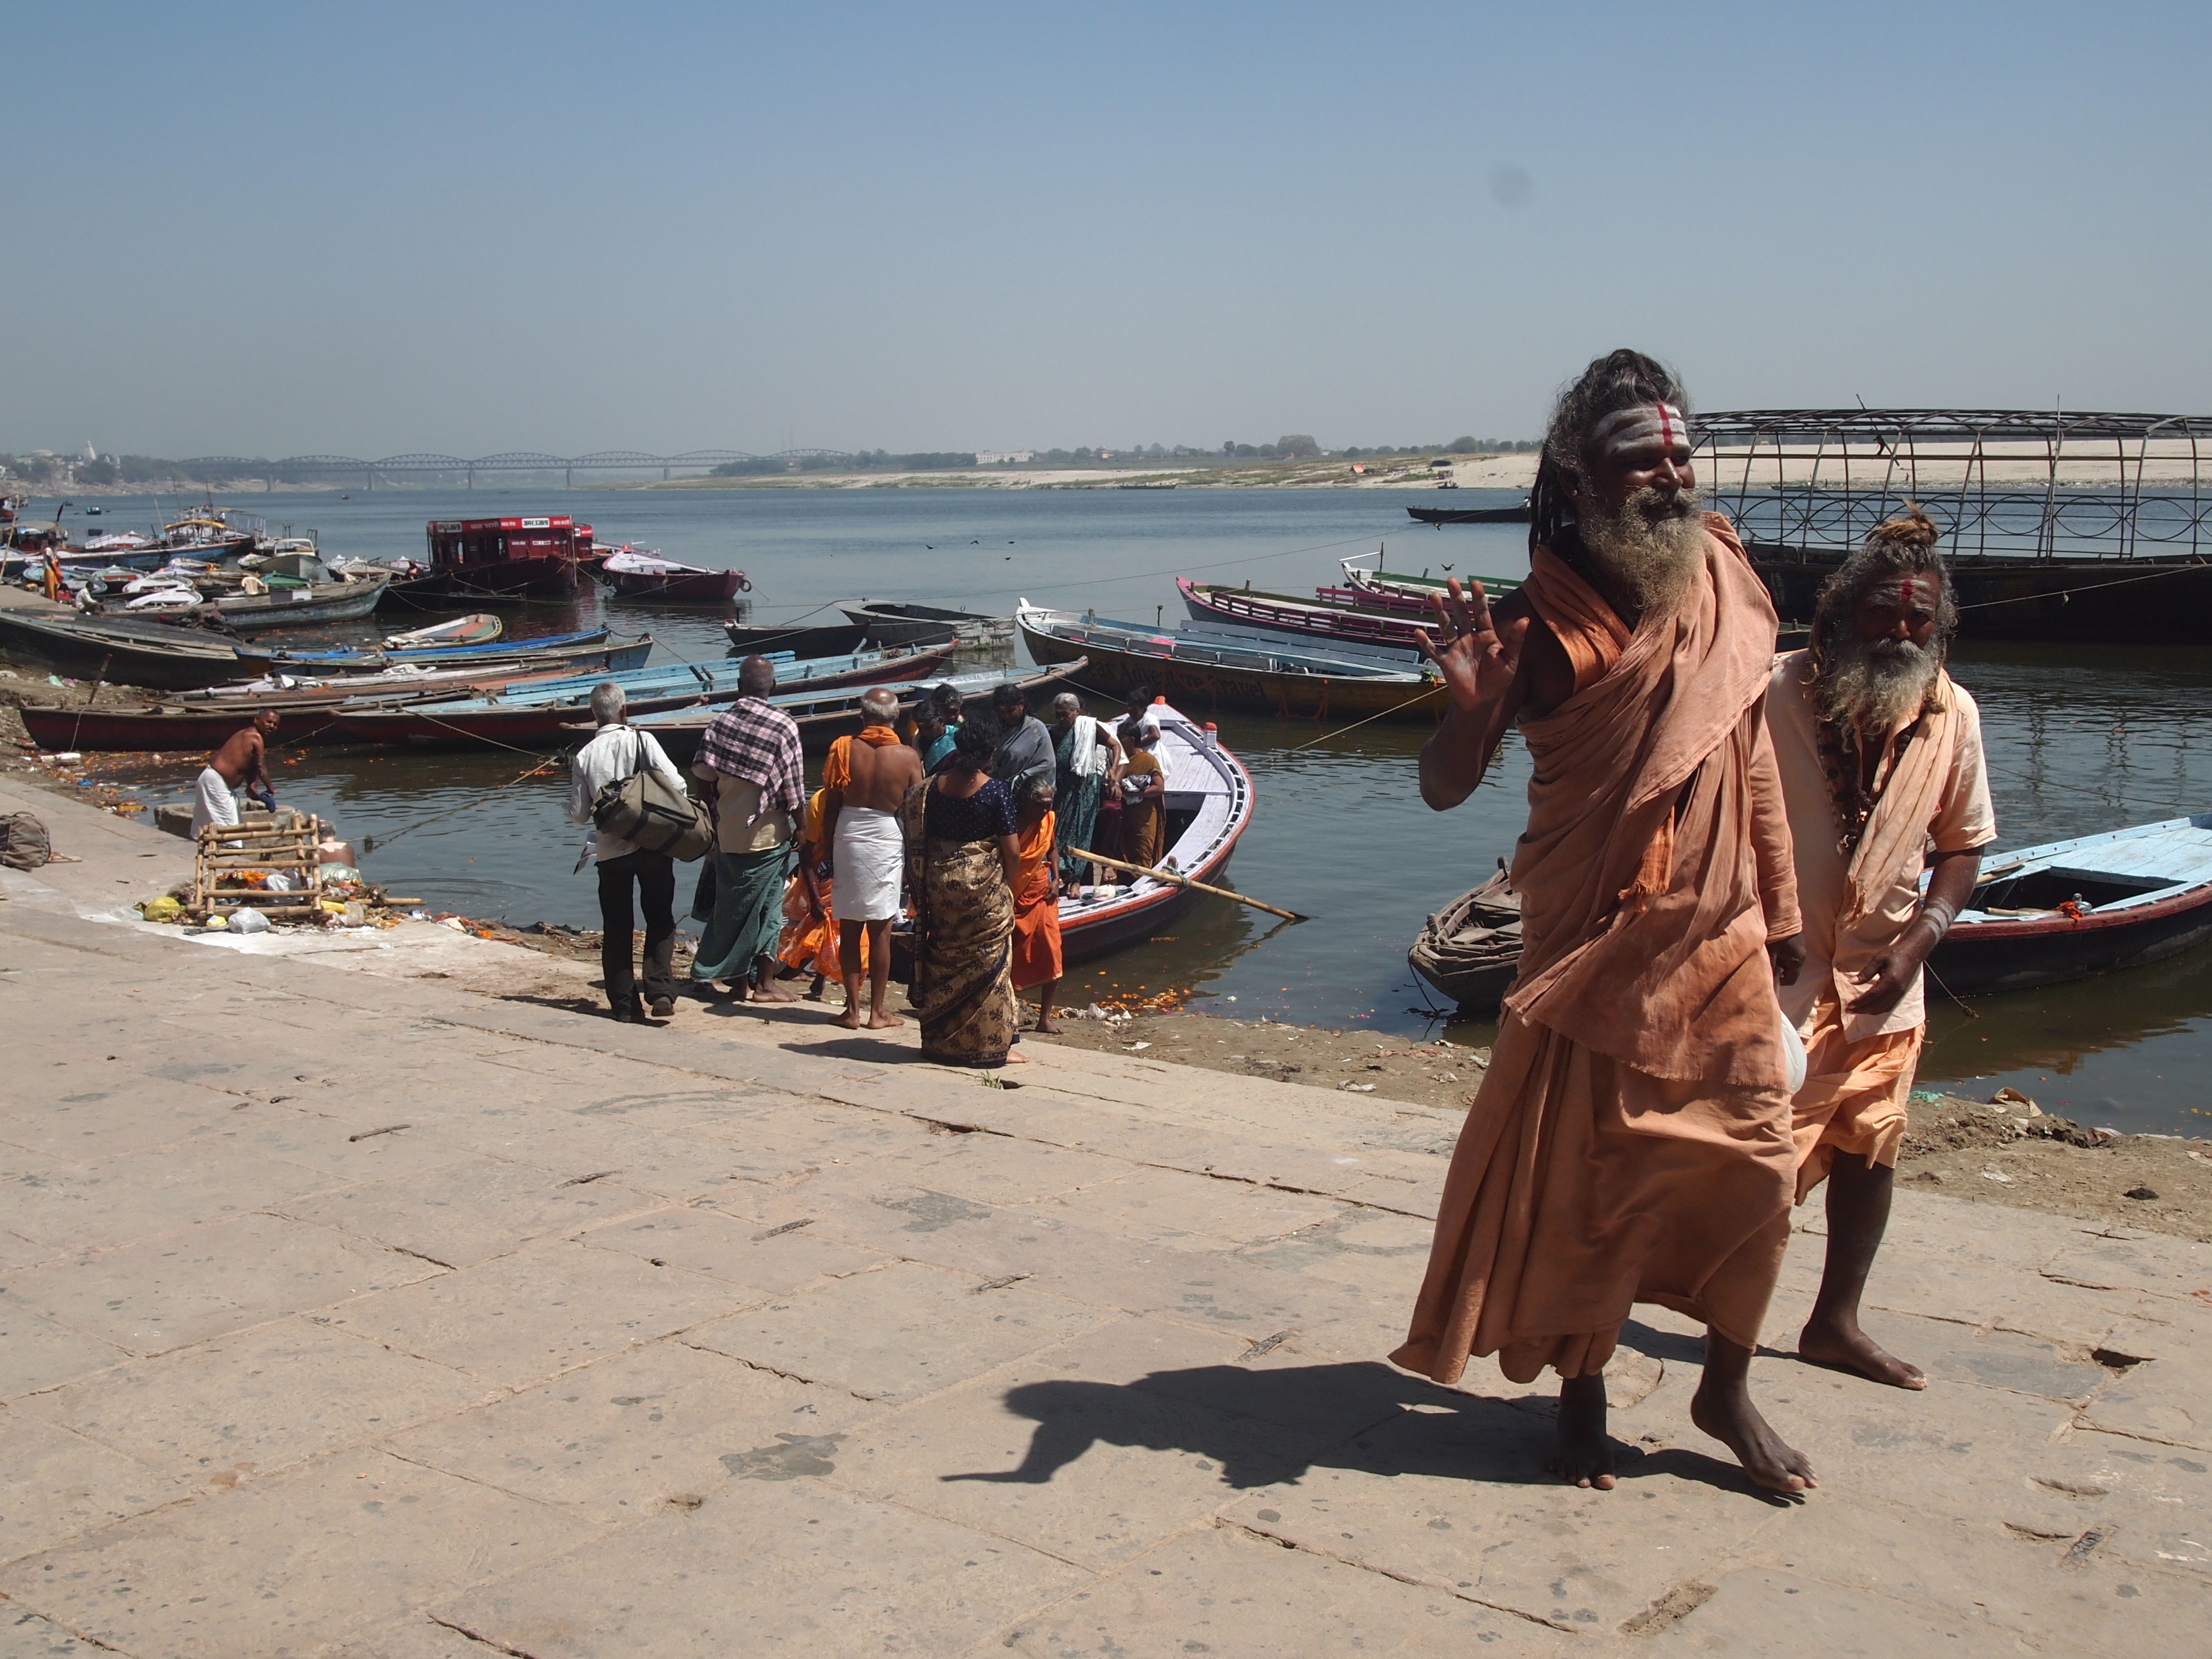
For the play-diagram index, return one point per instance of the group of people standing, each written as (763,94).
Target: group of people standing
(1729,856)
(956,821)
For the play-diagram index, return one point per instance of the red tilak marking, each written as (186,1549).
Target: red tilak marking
(1665,425)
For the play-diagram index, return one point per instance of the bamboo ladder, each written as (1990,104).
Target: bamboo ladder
(225,849)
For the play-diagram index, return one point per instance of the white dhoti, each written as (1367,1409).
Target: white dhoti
(870,858)
(214,804)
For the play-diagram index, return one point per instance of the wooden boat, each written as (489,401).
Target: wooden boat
(2069,908)
(308,708)
(2041,915)
(365,658)
(1217,669)
(1444,516)
(823,717)
(890,623)
(1470,950)
(632,573)
(1390,590)
(1315,618)
(161,655)
(537,714)
(478,628)
(799,641)
(308,605)
(1210,802)
(460,667)
(512,558)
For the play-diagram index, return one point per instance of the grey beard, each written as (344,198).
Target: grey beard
(1652,563)
(1875,686)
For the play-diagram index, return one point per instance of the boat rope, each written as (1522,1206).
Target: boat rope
(2091,587)
(370,843)
(1356,724)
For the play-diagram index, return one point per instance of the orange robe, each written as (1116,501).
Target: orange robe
(1935,792)
(1037,908)
(1631,1141)
(809,942)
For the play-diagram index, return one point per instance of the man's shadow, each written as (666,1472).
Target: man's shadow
(1267,1427)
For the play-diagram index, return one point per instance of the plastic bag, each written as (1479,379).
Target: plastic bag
(248,919)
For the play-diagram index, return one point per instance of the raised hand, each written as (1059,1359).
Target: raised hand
(1476,656)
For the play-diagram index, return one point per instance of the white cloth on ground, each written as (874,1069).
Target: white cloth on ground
(214,803)
(870,858)
(613,754)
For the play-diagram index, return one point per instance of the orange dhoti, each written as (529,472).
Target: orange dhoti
(1632,1139)
(1854,1097)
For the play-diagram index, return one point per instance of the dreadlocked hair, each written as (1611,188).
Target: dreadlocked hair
(1619,380)
(1901,546)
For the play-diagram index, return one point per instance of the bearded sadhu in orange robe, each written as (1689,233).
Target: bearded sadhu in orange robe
(1631,1141)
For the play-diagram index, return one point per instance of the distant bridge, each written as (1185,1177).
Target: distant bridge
(605,460)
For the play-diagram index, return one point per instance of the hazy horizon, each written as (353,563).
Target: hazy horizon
(477,229)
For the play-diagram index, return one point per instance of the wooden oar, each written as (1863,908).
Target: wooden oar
(1184,881)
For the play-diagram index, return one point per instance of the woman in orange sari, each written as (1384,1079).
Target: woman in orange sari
(1036,897)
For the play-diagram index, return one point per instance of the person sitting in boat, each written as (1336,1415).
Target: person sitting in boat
(1143,787)
(242,761)
(1025,748)
(1037,959)
(1084,755)
(1880,757)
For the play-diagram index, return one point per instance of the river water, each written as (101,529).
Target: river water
(2079,739)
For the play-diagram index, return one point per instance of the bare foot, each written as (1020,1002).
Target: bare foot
(1725,1411)
(1014,1058)
(772,992)
(880,1021)
(1583,1452)
(1050,1027)
(850,1019)
(1839,1343)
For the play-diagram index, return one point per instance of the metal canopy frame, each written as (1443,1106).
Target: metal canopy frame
(2003,482)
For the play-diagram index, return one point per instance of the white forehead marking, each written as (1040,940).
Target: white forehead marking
(1661,421)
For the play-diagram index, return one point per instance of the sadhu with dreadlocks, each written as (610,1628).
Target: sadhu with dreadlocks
(1631,1139)
(1880,757)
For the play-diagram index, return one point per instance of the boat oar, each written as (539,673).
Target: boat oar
(1184,881)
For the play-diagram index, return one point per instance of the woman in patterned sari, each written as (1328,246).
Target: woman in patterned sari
(961,857)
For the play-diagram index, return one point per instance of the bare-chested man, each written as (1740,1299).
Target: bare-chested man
(863,780)
(243,759)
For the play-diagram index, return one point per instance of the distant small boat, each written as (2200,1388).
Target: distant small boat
(890,623)
(1441,515)
(309,603)
(2066,909)
(478,628)
(632,573)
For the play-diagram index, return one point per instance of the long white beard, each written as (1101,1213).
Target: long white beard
(1875,685)
(1652,561)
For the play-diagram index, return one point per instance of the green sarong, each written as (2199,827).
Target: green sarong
(748,914)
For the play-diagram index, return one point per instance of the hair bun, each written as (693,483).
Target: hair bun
(1913,529)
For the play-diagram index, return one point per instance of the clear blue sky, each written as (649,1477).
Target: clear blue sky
(363,229)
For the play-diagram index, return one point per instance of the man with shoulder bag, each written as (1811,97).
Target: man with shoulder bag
(625,785)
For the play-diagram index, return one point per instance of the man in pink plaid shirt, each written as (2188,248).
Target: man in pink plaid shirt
(750,757)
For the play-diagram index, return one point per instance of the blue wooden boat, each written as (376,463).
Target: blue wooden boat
(350,659)
(536,714)
(2069,908)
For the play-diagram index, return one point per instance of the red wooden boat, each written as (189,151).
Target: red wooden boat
(637,573)
(518,558)
(1314,618)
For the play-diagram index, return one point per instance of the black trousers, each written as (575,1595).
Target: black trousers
(655,876)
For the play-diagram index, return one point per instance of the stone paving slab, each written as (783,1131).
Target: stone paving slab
(698,1340)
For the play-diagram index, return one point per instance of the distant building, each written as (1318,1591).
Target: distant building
(1004,457)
